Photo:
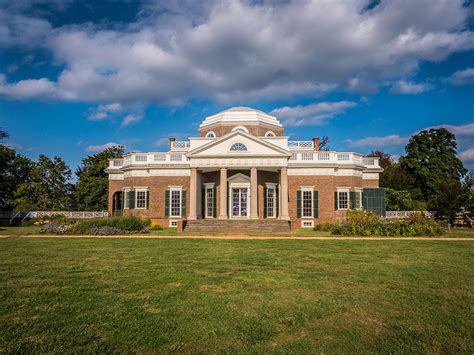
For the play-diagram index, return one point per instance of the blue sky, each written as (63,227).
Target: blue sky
(76,76)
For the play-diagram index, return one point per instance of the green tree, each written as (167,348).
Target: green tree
(431,158)
(402,201)
(324,143)
(451,198)
(7,155)
(92,181)
(49,187)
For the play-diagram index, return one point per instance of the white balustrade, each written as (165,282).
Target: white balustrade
(180,145)
(300,144)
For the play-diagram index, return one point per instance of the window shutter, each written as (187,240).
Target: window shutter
(265,193)
(148,199)
(214,203)
(315,204)
(277,196)
(122,200)
(298,204)
(183,204)
(335,201)
(131,200)
(167,203)
(352,196)
(203,203)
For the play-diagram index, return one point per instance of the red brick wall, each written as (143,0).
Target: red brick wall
(256,130)
(370,183)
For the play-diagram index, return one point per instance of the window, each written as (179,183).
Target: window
(271,201)
(307,197)
(343,199)
(210,134)
(269,134)
(140,199)
(125,198)
(209,202)
(238,147)
(175,202)
(307,224)
(173,223)
(358,199)
(240,128)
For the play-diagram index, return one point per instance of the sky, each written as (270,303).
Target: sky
(77,76)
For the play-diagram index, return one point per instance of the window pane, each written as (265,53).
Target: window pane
(271,202)
(307,203)
(141,199)
(175,203)
(210,202)
(343,200)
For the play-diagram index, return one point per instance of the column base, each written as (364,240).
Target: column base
(222,217)
(253,217)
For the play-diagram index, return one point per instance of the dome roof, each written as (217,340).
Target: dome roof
(241,115)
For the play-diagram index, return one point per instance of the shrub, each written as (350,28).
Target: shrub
(155,227)
(324,227)
(54,228)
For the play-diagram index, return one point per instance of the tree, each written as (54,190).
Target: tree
(431,158)
(450,199)
(49,187)
(402,201)
(384,159)
(92,184)
(324,143)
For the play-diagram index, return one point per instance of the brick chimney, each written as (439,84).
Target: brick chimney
(316,143)
(172,139)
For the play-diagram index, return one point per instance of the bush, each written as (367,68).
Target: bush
(155,227)
(100,226)
(368,223)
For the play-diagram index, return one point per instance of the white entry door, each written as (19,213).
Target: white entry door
(239,200)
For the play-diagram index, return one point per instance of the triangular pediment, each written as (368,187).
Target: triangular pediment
(247,144)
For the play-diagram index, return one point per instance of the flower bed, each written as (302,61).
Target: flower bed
(368,223)
(103,226)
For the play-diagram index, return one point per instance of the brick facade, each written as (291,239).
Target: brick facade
(258,130)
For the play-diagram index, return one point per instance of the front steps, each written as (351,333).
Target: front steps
(237,226)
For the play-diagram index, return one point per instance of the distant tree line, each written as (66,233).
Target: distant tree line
(47,184)
(429,176)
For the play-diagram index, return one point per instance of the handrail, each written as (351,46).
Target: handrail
(14,216)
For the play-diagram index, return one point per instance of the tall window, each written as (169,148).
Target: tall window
(140,199)
(343,199)
(271,201)
(175,200)
(125,198)
(209,201)
(358,199)
(238,147)
(307,197)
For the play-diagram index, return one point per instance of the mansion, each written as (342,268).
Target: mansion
(241,173)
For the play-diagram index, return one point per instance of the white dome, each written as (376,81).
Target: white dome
(241,115)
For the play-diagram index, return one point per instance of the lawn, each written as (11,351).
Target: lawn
(121,295)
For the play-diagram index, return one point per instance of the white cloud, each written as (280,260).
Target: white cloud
(406,87)
(379,142)
(100,147)
(238,49)
(460,131)
(312,114)
(462,77)
(467,155)
(103,112)
(131,119)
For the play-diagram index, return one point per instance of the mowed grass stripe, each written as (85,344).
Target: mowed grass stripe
(235,295)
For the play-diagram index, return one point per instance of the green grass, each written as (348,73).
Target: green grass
(120,295)
(18,231)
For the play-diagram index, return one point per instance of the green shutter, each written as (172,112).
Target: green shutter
(122,200)
(148,199)
(335,201)
(131,201)
(374,200)
(265,192)
(167,203)
(315,204)
(214,203)
(203,203)
(183,204)
(298,204)
(277,196)
(352,196)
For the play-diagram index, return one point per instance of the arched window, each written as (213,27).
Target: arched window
(238,147)
(269,134)
(240,128)
(210,134)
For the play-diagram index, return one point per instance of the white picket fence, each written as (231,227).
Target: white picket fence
(405,214)
(12,215)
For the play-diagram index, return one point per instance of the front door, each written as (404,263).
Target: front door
(239,202)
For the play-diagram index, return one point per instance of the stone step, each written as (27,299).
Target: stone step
(236,226)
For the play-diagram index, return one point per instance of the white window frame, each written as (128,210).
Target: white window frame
(343,190)
(270,134)
(210,134)
(358,193)
(241,128)
(209,186)
(126,190)
(238,151)
(172,189)
(303,190)
(307,223)
(173,223)
(137,190)
(275,198)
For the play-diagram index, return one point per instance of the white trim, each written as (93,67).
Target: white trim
(307,223)
(342,190)
(239,185)
(304,189)
(173,223)
(209,184)
(270,134)
(208,134)
(358,191)
(240,128)
(125,190)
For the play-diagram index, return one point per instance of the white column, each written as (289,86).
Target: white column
(284,194)
(253,193)
(223,194)
(192,194)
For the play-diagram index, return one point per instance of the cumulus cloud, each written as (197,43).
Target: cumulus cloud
(406,87)
(462,77)
(313,114)
(100,147)
(380,142)
(467,155)
(131,119)
(104,112)
(223,50)
(460,131)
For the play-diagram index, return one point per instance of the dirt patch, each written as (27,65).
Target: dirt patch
(212,288)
